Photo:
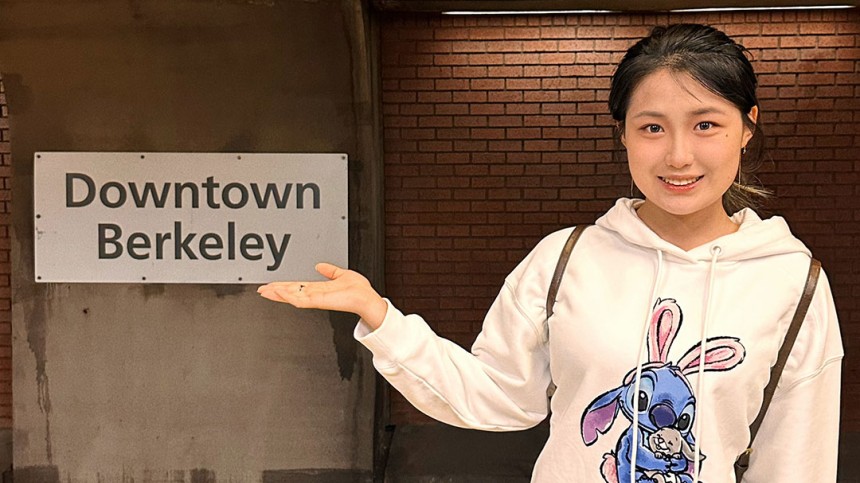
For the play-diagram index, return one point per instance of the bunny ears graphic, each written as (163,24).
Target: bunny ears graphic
(721,353)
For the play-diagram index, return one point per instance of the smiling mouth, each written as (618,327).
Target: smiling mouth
(680,181)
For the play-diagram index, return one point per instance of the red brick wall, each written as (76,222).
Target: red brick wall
(5,266)
(497,132)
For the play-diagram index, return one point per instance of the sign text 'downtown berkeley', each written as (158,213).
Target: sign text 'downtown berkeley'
(188,217)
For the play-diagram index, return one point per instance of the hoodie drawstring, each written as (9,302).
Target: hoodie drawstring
(700,385)
(636,387)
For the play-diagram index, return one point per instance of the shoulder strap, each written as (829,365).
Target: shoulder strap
(742,462)
(560,266)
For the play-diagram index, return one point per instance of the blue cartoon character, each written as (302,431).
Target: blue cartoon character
(665,402)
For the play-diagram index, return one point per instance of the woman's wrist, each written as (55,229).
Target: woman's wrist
(373,313)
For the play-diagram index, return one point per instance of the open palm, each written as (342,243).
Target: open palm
(345,291)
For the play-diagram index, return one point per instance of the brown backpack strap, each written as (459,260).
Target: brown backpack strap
(743,461)
(560,266)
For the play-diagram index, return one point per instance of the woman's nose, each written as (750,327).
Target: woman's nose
(679,153)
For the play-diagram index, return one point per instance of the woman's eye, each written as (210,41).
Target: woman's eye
(704,126)
(653,128)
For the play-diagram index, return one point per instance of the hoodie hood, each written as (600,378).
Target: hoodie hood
(754,239)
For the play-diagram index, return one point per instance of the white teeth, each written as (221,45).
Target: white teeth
(680,182)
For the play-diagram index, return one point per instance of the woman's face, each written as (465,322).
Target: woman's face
(683,144)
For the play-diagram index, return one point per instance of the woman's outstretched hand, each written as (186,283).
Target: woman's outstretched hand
(345,291)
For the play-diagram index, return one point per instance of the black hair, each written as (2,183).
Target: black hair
(720,65)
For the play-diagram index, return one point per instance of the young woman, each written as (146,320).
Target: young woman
(670,314)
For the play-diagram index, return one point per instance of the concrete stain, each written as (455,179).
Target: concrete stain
(37,474)
(225,290)
(35,298)
(358,416)
(221,290)
(152,290)
(21,439)
(344,344)
(38,303)
(316,476)
(199,475)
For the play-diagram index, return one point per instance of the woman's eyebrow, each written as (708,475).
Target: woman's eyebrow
(697,112)
(648,114)
(708,110)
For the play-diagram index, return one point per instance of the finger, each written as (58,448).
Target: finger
(274,285)
(286,285)
(329,271)
(273,295)
(283,292)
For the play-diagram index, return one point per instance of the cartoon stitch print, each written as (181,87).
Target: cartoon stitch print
(665,402)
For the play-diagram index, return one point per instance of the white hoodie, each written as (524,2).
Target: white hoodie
(627,292)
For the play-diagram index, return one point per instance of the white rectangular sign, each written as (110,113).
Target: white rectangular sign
(188,217)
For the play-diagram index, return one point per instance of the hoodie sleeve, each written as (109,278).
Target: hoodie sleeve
(501,385)
(799,437)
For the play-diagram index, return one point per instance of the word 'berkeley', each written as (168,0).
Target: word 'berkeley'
(210,246)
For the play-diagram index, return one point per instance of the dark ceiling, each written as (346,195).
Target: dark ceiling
(619,5)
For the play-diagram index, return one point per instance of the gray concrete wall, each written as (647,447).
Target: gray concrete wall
(186,382)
